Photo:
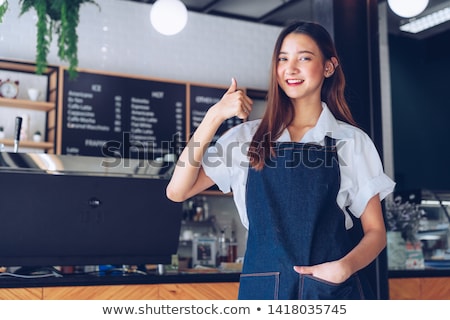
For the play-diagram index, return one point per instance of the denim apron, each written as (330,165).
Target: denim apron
(294,220)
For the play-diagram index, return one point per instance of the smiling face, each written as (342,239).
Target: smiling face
(301,68)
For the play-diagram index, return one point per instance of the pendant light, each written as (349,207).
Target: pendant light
(408,8)
(168,17)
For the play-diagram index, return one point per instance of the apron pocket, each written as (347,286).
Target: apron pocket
(313,288)
(259,286)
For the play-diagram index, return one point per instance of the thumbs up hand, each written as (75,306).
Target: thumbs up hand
(234,103)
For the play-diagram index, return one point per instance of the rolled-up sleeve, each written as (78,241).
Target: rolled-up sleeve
(226,163)
(215,166)
(362,174)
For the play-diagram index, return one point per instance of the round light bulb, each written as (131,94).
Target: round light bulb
(168,17)
(408,8)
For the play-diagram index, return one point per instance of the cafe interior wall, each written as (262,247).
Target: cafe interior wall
(118,37)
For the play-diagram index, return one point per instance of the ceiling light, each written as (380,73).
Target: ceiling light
(168,17)
(426,22)
(407,9)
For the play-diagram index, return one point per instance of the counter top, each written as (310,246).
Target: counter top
(419,273)
(96,279)
(121,278)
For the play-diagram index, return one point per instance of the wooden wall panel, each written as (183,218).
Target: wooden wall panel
(404,289)
(435,289)
(420,288)
(199,291)
(399,289)
(116,292)
(189,291)
(21,294)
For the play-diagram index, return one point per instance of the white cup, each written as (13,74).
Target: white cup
(37,138)
(33,94)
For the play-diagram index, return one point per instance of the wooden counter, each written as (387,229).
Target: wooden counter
(403,285)
(427,284)
(197,286)
(419,289)
(191,291)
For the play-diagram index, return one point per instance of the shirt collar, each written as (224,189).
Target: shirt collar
(326,125)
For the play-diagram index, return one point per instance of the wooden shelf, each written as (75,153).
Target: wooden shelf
(24,66)
(27,104)
(29,144)
(51,73)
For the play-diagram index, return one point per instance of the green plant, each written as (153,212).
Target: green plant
(60,17)
(404,217)
(3,8)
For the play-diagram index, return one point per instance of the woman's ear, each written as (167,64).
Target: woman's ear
(330,67)
(335,62)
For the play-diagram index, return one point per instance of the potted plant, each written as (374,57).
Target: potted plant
(37,136)
(403,216)
(402,224)
(3,8)
(60,17)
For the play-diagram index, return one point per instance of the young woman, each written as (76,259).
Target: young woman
(296,175)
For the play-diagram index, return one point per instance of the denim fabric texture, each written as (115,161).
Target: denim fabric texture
(294,220)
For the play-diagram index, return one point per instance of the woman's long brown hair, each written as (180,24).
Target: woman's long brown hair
(280,111)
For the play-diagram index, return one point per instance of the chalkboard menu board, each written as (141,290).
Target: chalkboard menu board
(201,98)
(109,115)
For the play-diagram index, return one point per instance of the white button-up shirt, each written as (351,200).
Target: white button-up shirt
(362,175)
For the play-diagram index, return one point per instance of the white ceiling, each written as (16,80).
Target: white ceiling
(275,12)
(279,12)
